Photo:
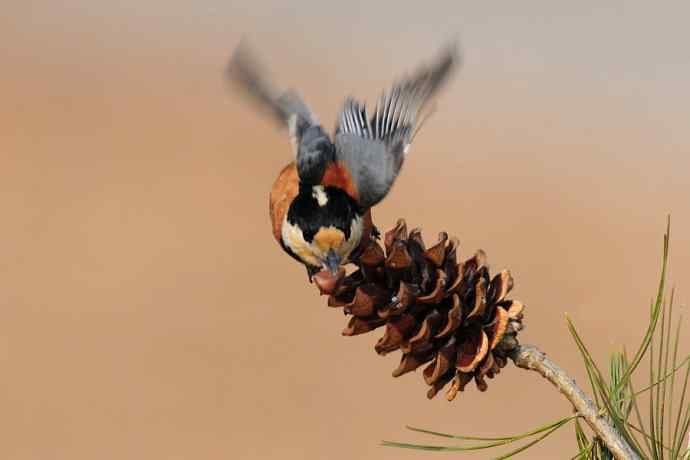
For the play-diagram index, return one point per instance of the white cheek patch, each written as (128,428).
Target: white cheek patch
(293,238)
(319,195)
(355,237)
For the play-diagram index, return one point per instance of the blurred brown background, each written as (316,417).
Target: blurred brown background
(146,312)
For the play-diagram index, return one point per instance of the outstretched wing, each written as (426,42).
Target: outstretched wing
(373,149)
(310,142)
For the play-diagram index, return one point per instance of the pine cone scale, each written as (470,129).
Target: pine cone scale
(450,317)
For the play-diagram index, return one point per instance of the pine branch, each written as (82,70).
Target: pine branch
(529,357)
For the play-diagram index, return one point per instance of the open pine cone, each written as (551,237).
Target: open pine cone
(450,316)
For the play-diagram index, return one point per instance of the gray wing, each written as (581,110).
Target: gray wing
(287,107)
(373,149)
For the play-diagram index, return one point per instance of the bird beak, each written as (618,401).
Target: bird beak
(332,262)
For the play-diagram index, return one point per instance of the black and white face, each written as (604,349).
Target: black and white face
(322,227)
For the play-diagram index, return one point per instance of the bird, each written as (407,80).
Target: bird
(320,204)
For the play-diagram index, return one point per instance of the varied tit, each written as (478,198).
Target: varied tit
(320,205)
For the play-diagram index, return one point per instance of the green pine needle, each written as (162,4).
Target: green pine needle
(655,311)
(664,436)
(490,442)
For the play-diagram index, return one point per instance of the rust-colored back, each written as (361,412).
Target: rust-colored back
(337,175)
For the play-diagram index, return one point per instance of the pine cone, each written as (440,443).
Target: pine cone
(450,316)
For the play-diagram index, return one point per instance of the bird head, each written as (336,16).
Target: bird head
(322,227)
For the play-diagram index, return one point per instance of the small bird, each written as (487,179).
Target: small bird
(320,204)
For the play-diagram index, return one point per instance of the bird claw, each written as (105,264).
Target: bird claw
(311,271)
(375,233)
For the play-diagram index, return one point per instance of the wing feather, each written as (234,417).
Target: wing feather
(373,149)
(286,107)
(310,142)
